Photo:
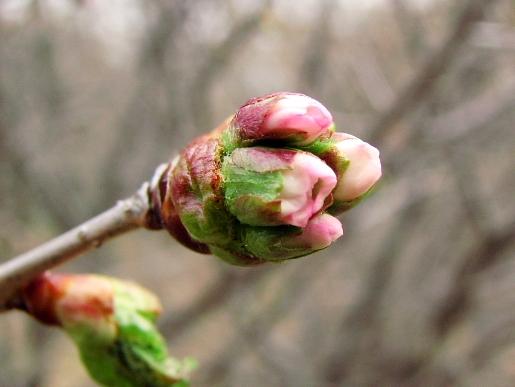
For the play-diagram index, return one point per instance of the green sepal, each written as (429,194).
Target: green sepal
(319,147)
(211,224)
(252,197)
(237,259)
(229,141)
(274,243)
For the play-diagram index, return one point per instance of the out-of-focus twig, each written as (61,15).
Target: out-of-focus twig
(455,305)
(216,295)
(311,74)
(219,57)
(412,29)
(477,259)
(255,329)
(473,114)
(362,318)
(49,89)
(471,201)
(371,78)
(425,80)
(142,104)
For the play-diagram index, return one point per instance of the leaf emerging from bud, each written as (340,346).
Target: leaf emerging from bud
(112,323)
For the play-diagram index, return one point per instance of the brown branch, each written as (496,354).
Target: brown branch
(124,216)
(412,30)
(473,114)
(29,183)
(471,201)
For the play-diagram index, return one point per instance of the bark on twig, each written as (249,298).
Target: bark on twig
(124,216)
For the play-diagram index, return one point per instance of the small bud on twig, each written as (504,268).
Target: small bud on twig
(112,322)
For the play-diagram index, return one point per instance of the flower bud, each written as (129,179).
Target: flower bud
(363,169)
(285,242)
(292,118)
(112,323)
(258,188)
(268,187)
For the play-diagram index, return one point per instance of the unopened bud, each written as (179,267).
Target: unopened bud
(286,242)
(363,169)
(268,187)
(293,118)
(260,186)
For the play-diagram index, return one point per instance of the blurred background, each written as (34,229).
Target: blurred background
(419,292)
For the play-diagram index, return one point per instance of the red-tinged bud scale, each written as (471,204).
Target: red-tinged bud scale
(270,174)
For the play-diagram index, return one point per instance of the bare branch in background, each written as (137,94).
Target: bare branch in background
(27,182)
(253,330)
(481,257)
(372,79)
(412,29)
(311,74)
(350,350)
(425,80)
(473,204)
(473,114)
(218,59)
(214,297)
(141,114)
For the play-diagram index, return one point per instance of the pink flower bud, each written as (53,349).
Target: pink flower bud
(322,230)
(299,113)
(291,117)
(268,187)
(306,185)
(363,170)
(258,187)
(285,242)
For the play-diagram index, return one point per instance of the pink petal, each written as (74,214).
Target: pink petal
(363,172)
(297,113)
(305,187)
(320,232)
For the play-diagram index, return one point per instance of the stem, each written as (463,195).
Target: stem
(126,215)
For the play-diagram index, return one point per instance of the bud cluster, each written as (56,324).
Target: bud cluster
(266,184)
